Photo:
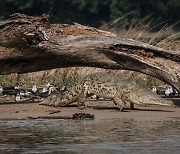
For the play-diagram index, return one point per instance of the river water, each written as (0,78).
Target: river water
(90,136)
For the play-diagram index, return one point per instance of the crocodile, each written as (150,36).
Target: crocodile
(108,86)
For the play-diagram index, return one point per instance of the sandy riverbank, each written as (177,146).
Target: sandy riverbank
(101,110)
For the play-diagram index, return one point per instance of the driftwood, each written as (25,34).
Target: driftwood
(30,44)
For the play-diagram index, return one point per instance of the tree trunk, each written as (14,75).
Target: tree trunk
(30,44)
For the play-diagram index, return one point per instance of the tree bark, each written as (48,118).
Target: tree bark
(29,44)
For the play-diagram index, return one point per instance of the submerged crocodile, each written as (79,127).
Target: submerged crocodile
(118,89)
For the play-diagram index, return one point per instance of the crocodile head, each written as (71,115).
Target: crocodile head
(149,99)
(157,100)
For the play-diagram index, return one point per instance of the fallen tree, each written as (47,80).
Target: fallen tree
(29,44)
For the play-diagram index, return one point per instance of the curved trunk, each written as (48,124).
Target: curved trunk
(29,44)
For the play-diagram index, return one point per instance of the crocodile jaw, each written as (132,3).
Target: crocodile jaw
(155,101)
(164,103)
(138,98)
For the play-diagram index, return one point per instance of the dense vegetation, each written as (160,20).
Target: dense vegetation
(94,12)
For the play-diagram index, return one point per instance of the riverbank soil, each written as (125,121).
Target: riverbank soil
(100,109)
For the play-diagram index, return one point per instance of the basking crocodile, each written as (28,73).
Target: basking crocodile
(118,89)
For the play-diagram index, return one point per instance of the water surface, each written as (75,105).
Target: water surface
(91,136)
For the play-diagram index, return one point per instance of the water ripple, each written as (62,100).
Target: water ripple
(96,136)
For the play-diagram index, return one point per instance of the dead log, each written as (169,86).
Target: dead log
(29,44)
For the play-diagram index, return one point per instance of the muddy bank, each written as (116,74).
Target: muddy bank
(101,110)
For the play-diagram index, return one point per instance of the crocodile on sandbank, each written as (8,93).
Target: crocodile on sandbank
(107,86)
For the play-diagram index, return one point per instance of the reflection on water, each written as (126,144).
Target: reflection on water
(96,136)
